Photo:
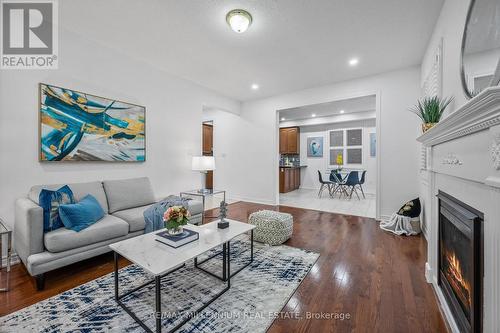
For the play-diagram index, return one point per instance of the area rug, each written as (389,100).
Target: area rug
(257,295)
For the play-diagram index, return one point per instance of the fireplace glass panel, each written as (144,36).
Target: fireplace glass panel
(456,264)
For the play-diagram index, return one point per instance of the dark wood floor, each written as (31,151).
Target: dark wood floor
(372,278)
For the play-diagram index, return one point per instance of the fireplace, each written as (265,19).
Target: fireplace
(461,261)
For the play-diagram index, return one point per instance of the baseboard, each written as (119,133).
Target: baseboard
(253,200)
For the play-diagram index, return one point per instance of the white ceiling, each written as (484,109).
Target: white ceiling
(351,105)
(291,45)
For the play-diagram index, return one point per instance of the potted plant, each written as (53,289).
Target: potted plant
(430,110)
(175,217)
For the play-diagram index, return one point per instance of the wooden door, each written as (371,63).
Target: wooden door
(283,140)
(208,149)
(208,141)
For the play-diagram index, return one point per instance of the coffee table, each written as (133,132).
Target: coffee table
(160,260)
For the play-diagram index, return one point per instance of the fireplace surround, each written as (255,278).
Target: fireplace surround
(461,157)
(461,261)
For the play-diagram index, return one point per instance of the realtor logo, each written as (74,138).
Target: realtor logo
(29,34)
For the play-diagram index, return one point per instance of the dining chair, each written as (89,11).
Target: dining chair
(324,183)
(361,182)
(351,182)
(338,183)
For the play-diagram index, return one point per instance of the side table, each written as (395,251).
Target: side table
(5,233)
(203,195)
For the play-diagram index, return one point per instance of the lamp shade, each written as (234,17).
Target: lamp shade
(203,163)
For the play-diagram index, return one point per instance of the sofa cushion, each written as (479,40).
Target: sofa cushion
(128,193)
(195,207)
(134,217)
(64,239)
(79,190)
(81,215)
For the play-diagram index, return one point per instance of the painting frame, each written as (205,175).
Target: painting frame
(315,140)
(63,160)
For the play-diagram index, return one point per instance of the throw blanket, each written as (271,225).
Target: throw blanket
(401,225)
(154,214)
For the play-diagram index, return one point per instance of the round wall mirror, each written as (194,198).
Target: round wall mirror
(481,47)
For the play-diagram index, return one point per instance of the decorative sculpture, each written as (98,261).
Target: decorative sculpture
(223,224)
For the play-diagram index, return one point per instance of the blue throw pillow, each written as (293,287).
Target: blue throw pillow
(50,201)
(81,215)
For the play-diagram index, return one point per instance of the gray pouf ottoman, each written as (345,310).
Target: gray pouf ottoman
(273,228)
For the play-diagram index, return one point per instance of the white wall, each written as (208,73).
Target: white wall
(173,120)
(254,137)
(309,175)
(449,27)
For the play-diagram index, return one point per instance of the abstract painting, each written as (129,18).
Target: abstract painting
(76,126)
(315,146)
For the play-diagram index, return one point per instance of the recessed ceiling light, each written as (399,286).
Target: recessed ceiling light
(282,118)
(239,20)
(313,115)
(342,111)
(353,61)
(255,86)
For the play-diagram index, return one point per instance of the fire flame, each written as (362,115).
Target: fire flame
(459,283)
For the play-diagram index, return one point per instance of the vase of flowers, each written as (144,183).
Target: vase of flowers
(430,110)
(175,217)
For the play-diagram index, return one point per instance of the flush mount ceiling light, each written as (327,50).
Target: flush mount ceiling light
(255,86)
(353,62)
(313,115)
(282,118)
(239,20)
(342,111)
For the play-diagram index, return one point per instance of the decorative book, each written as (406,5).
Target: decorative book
(175,241)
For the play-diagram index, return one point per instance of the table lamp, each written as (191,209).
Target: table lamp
(203,164)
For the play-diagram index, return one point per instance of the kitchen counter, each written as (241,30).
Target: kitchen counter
(293,167)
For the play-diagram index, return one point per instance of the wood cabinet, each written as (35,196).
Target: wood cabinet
(289,179)
(208,139)
(290,140)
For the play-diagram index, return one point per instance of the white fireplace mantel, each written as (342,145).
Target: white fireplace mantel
(463,160)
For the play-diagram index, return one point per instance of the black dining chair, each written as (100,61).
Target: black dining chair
(324,183)
(361,182)
(351,182)
(338,183)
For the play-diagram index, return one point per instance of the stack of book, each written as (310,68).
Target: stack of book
(175,241)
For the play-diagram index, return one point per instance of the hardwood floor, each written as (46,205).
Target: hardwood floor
(373,279)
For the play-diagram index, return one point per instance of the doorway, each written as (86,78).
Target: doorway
(338,137)
(208,149)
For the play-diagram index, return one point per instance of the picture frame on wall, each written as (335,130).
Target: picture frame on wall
(315,146)
(76,126)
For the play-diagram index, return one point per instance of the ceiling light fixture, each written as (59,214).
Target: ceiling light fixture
(313,115)
(283,119)
(353,61)
(342,111)
(239,20)
(255,86)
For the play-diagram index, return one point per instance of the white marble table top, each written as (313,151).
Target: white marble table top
(158,258)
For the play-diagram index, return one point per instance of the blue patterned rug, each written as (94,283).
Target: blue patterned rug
(257,293)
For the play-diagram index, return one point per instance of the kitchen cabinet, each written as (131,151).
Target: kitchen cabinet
(289,179)
(290,140)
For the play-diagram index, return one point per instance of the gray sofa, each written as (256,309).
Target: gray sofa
(124,201)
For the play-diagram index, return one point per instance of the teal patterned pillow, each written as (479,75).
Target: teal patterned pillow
(50,201)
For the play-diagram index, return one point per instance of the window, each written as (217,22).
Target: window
(346,147)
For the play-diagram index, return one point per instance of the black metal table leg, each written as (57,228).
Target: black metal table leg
(224,263)
(251,245)
(228,264)
(116,275)
(226,273)
(158,303)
